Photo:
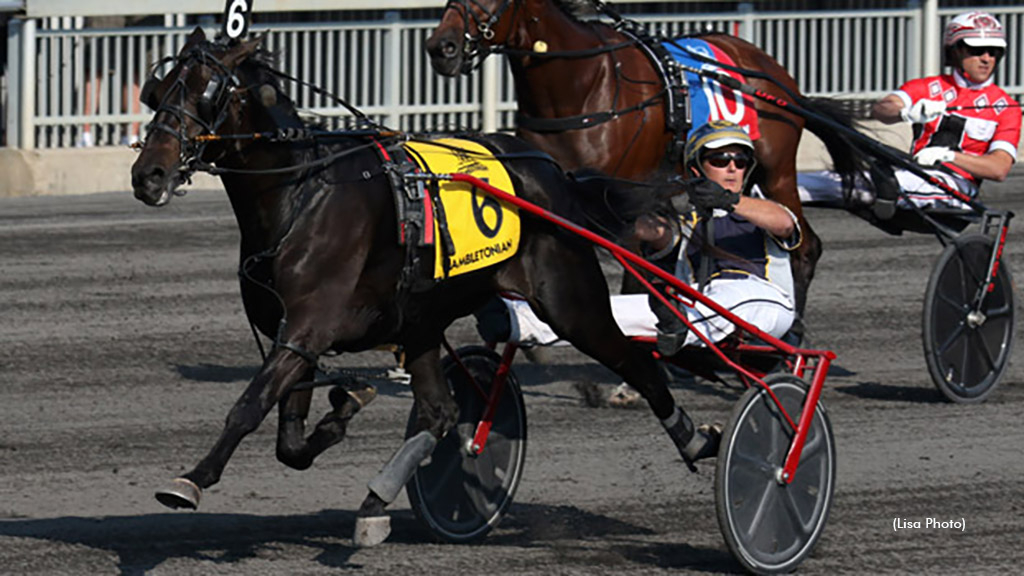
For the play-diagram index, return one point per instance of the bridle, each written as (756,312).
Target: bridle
(473,49)
(212,107)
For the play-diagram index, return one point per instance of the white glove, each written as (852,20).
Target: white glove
(923,111)
(933,155)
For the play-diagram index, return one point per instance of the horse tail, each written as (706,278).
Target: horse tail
(609,206)
(848,160)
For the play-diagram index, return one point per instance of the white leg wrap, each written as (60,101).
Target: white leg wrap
(402,466)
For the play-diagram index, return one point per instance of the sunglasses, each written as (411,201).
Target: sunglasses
(993,51)
(722,159)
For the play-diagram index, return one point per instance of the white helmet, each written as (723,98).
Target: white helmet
(975,29)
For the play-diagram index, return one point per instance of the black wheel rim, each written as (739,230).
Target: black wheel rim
(461,496)
(968,356)
(775,524)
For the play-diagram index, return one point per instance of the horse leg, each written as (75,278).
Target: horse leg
(282,370)
(780,185)
(575,304)
(436,413)
(299,453)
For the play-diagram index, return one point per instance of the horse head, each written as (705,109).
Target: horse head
(469,30)
(204,94)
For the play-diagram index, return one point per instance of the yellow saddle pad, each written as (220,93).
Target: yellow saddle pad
(484,231)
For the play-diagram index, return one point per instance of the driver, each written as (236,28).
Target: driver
(965,126)
(745,269)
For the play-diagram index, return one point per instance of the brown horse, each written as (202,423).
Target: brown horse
(322,268)
(592,97)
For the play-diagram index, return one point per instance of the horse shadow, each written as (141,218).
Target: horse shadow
(222,374)
(217,374)
(568,528)
(879,391)
(143,543)
(532,378)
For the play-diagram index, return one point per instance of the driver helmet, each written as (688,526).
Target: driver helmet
(973,29)
(712,136)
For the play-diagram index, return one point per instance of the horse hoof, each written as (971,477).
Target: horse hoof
(182,493)
(371,531)
(361,392)
(625,396)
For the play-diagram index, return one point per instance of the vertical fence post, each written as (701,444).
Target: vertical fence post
(915,41)
(489,94)
(12,107)
(28,81)
(931,43)
(746,17)
(393,66)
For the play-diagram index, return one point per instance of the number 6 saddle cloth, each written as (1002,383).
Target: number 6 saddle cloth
(469,228)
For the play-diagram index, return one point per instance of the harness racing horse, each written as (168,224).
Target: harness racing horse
(591,96)
(321,265)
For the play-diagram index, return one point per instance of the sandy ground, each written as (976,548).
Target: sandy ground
(123,344)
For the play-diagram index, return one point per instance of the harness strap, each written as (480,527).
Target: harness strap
(677,89)
(433,188)
(310,358)
(415,225)
(579,121)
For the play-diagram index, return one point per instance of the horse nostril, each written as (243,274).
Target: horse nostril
(148,179)
(156,177)
(449,49)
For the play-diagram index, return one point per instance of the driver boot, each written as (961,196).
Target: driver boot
(671,330)
(887,191)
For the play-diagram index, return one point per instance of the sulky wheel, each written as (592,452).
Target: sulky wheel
(967,350)
(771,526)
(459,496)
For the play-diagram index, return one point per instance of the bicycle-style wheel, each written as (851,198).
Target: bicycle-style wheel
(967,351)
(768,525)
(458,495)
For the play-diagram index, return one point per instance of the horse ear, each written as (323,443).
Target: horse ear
(148,93)
(196,37)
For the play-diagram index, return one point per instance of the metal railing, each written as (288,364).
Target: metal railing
(83,84)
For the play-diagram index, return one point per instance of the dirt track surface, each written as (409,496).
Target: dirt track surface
(123,345)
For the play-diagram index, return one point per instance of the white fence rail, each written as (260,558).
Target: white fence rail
(69,86)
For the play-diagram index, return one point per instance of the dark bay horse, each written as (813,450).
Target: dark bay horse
(321,265)
(567,69)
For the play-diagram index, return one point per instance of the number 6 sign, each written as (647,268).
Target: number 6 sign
(237,14)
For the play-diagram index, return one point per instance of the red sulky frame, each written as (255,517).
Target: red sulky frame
(802,358)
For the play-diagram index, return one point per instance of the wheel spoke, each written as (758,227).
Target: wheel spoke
(762,506)
(961,276)
(761,464)
(953,337)
(812,447)
(971,273)
(980,343)
(954,304)
(442,479)
(793,511)
(1000,312)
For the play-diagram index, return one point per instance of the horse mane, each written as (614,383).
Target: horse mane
(264,64)
(610,206)
(577,8)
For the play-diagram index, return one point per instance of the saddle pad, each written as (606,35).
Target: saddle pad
(709,100)
(484,231)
